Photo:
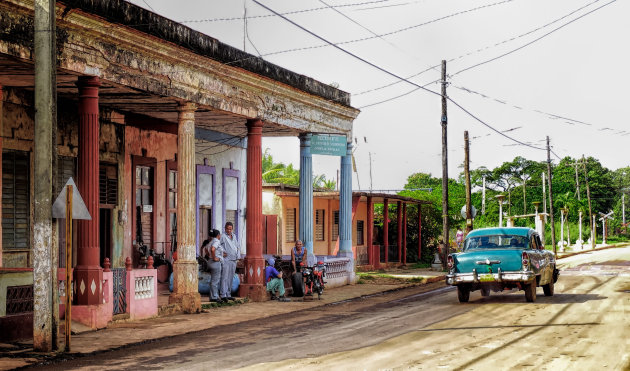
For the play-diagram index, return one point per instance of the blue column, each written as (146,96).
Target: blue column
(306,193)
(345,204)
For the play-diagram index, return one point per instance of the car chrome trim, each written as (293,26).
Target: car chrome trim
(517,276)
(487,262)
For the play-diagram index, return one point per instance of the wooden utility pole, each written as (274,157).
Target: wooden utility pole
(588,196)
(444,167)
(553,227)
(469,220)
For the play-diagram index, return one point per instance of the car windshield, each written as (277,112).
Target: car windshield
(502,241)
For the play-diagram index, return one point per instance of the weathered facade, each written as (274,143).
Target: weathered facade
(160,127)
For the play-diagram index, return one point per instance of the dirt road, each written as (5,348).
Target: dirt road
(583,326)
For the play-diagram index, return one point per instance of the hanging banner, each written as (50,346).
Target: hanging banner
(329,144)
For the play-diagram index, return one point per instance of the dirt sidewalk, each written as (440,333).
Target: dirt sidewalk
(124,333)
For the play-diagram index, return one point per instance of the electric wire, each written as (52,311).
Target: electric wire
(381,35)
(397,76)
(533,41)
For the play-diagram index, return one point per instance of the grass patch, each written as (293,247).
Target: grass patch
(222,304)
(421,265)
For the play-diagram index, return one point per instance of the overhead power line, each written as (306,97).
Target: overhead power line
(393,75)
(533,41)
(383,34)
(495,58)
(287,13)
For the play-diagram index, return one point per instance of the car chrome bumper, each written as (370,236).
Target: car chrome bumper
(500,276)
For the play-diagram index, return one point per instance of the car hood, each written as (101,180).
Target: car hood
(510,260)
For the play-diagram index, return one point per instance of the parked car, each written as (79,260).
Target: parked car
(497,259)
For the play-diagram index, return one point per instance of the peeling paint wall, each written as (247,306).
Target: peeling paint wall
(88,44)
(17,134)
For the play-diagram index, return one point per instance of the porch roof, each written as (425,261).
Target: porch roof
(148,64)
(294,191)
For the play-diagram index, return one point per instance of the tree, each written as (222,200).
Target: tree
(277,172)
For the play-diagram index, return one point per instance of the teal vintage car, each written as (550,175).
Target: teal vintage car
(497,259)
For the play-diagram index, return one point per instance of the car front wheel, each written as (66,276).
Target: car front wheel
(530,292)
(463,293)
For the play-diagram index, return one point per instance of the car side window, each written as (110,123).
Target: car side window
(532,243)
(540,245)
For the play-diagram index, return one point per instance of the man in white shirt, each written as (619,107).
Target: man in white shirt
(232,252)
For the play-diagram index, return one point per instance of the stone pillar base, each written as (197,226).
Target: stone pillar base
(254,292)
(189,302)
(185,287)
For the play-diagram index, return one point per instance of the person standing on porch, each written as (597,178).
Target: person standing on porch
(231,252)
(214,254)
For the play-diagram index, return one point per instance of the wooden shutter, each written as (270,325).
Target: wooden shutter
(15,200)
(108,184)
(335,230)
(359,232)
(290,225)
(319,225)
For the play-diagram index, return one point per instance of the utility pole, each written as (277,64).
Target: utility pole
(553,227)
(483,195)
(577,181)
(590,210)
(444,167)
(544,187)
(469,221)
(45,299)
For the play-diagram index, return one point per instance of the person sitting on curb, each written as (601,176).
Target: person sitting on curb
(274,281)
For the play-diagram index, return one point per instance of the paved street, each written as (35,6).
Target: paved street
(583,326)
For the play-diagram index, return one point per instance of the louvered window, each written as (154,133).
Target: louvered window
(360,233)
(65,170)
(15,200)
(335,229)
(290,225)
(319,225)
(108,184)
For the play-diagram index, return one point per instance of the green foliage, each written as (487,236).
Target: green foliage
(277,172)
(520,182)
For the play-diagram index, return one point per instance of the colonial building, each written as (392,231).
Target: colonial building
(160,126)
(281,206)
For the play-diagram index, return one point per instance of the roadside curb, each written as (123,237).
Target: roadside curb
(569,254)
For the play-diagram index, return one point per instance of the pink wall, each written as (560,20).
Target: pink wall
(96,316)
(139,308)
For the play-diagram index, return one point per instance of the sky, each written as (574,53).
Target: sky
(525,69)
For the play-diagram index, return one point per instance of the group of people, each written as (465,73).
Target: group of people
(273,278)
(221,251)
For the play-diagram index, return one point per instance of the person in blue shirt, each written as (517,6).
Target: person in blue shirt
(274,281)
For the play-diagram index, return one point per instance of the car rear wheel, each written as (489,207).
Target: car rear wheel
(485,291)
(530,292)
(548,288)
(463,293)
